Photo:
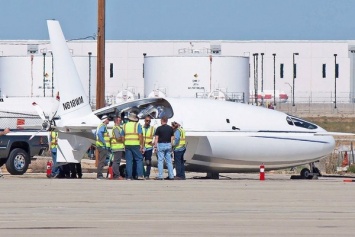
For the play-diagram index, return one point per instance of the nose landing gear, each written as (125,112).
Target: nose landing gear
(312,173)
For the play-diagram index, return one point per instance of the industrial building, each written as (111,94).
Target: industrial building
(304,70)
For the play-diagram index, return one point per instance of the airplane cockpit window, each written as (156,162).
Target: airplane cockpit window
(154,107)
(300,123)
(289,120)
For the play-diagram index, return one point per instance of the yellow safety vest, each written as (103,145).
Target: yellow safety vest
(131,136)
(106,137)
(54,140)
(115,145)
(148,134)
(182,141)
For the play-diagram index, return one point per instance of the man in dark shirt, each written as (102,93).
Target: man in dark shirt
(164,138)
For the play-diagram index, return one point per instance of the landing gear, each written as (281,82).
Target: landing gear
(306,174)
(312,173)
(212,175)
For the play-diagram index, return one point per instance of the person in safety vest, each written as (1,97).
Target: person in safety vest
(53,145)
(148,135)
(179,149)
(133,141)
(102,144)
(117,147)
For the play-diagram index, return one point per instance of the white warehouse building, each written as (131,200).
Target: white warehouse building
(29,63)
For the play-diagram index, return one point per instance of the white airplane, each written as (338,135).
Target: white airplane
(222,137)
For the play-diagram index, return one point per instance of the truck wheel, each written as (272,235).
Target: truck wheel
(17,162)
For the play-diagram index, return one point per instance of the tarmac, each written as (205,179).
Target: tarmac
(234,205)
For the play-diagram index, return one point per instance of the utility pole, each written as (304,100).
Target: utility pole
(100,82)
(274,54)
(294,71)
(335,80)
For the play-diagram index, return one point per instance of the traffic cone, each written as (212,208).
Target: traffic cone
(110,172)
(345,160)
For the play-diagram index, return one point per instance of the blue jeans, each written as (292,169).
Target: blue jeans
(133,152)
(179,163)
(164,153)
(55,168)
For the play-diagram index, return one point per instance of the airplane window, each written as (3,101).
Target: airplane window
(303,124)
(155,112)
(289,121)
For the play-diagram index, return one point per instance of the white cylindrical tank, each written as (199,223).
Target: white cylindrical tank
(23,76)
(124,96)
(217,95)
(156,93)
(197,76)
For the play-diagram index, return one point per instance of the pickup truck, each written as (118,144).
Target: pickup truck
(17,150)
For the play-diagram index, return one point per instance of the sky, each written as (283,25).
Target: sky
(182,19)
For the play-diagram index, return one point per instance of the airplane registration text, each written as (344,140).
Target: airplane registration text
(73,103)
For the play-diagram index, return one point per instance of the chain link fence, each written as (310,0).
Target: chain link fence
(11,119)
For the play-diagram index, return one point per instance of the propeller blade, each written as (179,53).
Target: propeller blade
(55,107)
(34,135)
(39,110)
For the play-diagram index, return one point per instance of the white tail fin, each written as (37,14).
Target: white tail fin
(74,102)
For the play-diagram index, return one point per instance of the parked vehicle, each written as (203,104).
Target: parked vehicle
(17,149)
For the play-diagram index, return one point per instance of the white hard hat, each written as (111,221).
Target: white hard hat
(103,118)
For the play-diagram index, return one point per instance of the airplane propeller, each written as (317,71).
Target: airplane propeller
(49,123)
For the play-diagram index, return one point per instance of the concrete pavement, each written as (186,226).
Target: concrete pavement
(238,205)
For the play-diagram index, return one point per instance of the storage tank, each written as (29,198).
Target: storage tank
(157,93)
(31,76)
(197,76)
(124,96)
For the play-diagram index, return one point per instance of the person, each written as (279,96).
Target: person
(164,138)
(179,150)
(53,146)
(75,170)
(133,141)
(117,147)
(6,131)
(148,135)
(64,171)
(102,145)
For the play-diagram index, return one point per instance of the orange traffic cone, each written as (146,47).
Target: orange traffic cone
(110,172)
(345,160)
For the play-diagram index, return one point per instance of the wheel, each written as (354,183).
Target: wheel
(122,170)
(306,173)
(17,162)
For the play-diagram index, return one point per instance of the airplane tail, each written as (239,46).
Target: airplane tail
(73,100)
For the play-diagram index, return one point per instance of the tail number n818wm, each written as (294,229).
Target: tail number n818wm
(73,103)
